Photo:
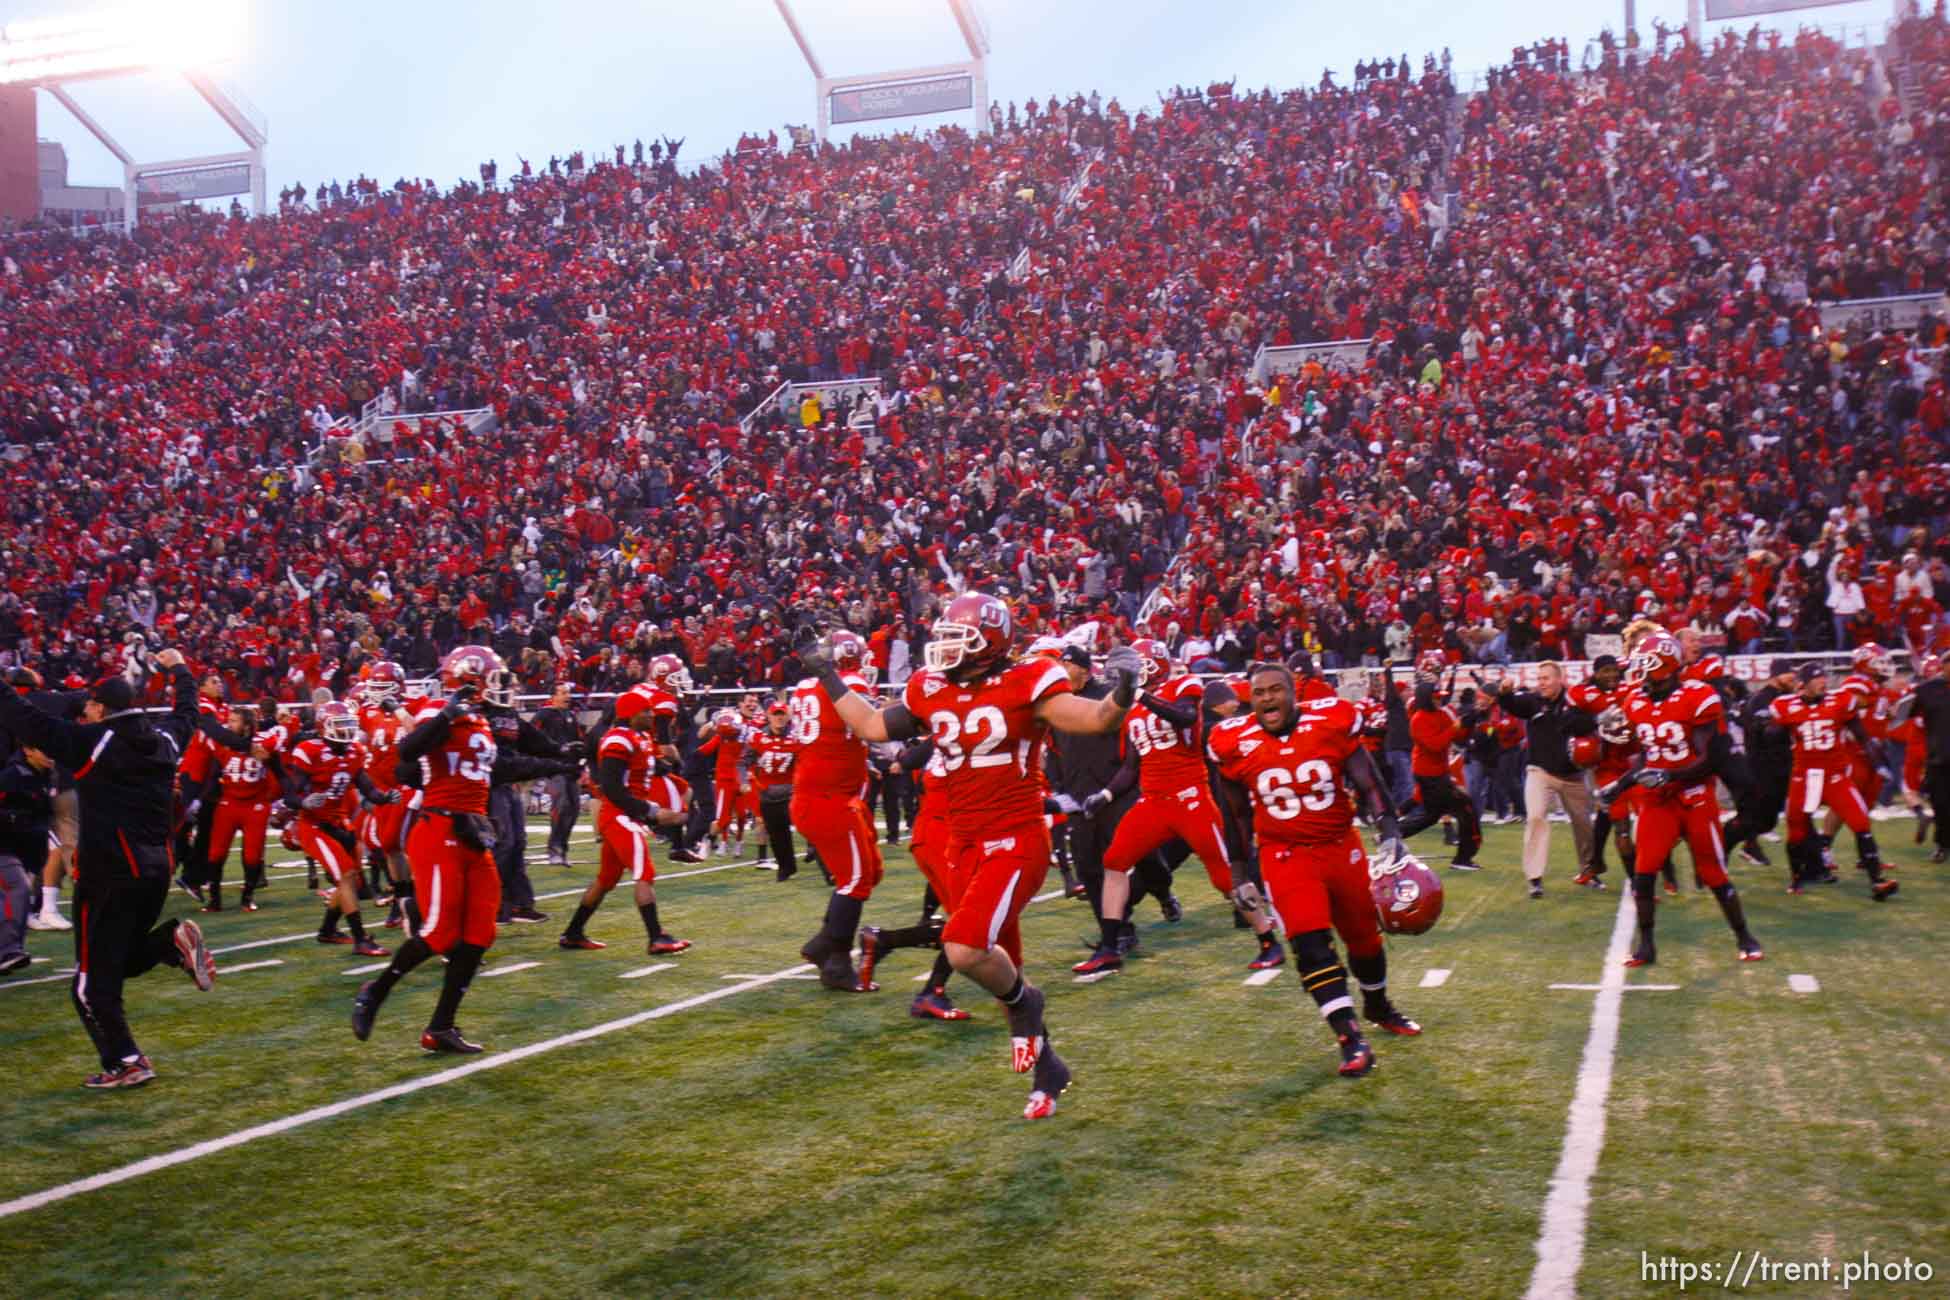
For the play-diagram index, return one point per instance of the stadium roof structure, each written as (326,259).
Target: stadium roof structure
(190,37)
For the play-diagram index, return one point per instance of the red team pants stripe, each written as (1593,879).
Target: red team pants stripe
(1156,820)
(841,830)
(324,848)
(458,887)
(1811,791)
(625,848)
(1322,886)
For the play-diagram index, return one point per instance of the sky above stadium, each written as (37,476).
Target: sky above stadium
(430,88)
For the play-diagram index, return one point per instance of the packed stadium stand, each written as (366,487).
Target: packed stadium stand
(606,410)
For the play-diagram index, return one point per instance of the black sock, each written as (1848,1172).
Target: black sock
(330,925)
(928,903)
(1014,995)
(1600,832)
(410,954)
(651,925)
(462,962)
(583,912)
(1647,906)
(842,920)
(357,925)
(1730,908)
(1108,929)
(911,936)
(413,921)
(938,977)
(1267,937)
(1867,855)
(1371,973)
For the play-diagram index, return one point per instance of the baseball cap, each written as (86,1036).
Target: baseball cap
(113,693)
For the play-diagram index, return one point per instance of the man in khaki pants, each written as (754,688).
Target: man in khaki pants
(1552,721)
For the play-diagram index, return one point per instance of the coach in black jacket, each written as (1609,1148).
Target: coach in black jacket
(124,769)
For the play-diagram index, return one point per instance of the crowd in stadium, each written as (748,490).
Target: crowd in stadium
(1597,388)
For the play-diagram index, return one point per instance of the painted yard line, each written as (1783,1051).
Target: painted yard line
(250,965)
(1629,988)
(1804,984)
(509,970)
(647,970)
(263,943)
(1434,979)
(1094,976)
(1044,898)
(922,978)
(367,970)
(1560,1236)
(803,973)
(61,978)
(1260,977)
(492,1061)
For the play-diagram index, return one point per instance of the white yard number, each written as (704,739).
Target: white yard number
(477,762)
(805,717)
(1284,793)
(1150,732)
(950,730)
(1664,743)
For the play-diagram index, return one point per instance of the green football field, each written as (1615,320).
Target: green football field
(724,1126)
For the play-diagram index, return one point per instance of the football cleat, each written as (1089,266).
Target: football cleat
(1357,1058)
(1536,889)
(14,962)
(367,948)
(527,916)
(212,906)
(933,1004)
(869,952)
(1671,888)
(1796,888)
(335,936)
(665,944)
(1024,1051)
(1589,879)
(1173,910)
(1099,962)
(194,891)
(686,855)
(1750,950)
(1025,1029)
(836,973)
(198,964)
(1464,864)
(1750,852)
(1882,889)
(1270,956)
(1052,1077)
(129,1074)
(247,904)
(365,1006)
(580,943)
(1644,956)
(448,1040)
(1385,1014)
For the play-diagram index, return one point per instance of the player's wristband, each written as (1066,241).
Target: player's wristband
(831,682)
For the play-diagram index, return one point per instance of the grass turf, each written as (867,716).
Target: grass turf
(785,1140)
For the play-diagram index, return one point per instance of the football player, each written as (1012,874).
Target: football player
(1673,723)
(246,791)
(1821,725)
(626,764)
(829,782)
(382,827)
(448,849)
(768,765)
(322,777)
(1604,696)
(988,715)
(1300,771)
(1161,735)
(928,844)
(725,737)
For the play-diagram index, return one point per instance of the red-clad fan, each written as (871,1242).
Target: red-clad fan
(632,799)
(1604,696)
(1164,759)
(324,778)
(989,716)
(1434,730)
(828,807)
(1674,723)
(448,848)
(1301,769)
(726,736)
(383,719)
(1821,725)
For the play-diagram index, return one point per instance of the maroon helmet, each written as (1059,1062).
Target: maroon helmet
(668,673)
(384,682)
(1585,750)
(850,655)
(971,636)
(1407,895)
(338,723)
(1655,666)
(1155,661)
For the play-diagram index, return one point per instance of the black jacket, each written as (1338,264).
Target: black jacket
(1932,705)
(125,772)
(1551,725)
(1083,765)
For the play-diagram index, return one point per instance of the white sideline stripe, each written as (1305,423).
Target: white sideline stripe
(1804,984)
(1629,988)
(1434,979)
(647,970)
(1260,977)
(22,1204)
(1560,1236)
(263,943)
(45,979)
(802,973)
(509,970)
(367,970)
(1044,898)
(250,965)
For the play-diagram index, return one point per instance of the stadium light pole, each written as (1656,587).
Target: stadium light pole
(908,92)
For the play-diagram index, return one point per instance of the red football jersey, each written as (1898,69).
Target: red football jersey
(990,742)
(1614,761)
(772,759)
(1168,759)
(330,772)
(460,767)
(1866,701)
(728,753)
(246,779)
(1431,732)
(1664,728)
(1299,791)
(832,760)
(638,750)
(383,728)
(1819,730)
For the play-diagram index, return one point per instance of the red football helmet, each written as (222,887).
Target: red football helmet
(1585,750)
(632,702)
(338,723)
(469,665)
(382,683)
(1930,667)
(726,722)
(850,655)
(1155,661)
(1407,895)
(1873,661)
(668,672)
(1656,661)
(1045,647)
(1431,663)
(971,636)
